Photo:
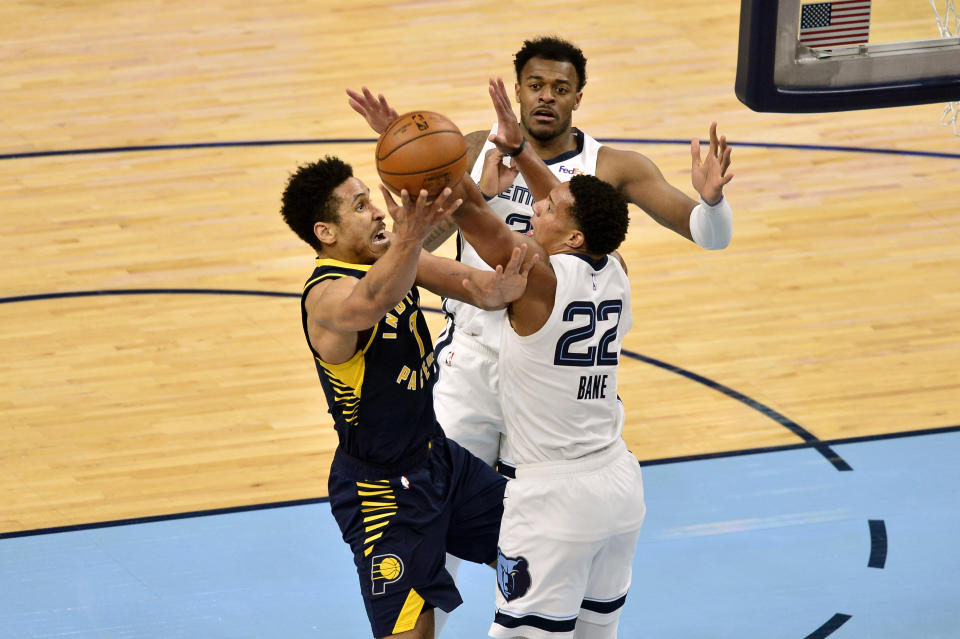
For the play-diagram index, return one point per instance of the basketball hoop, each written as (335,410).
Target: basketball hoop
(949,25)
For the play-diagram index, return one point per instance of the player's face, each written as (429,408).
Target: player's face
(552,225)
(548,96)
(361,235)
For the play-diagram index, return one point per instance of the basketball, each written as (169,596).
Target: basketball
(421,150)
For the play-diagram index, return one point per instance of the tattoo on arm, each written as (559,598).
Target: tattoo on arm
(439,234)
(443,230)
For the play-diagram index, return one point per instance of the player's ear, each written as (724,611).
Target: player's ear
(576,104)
(516,91)
(575,239)
(325,232)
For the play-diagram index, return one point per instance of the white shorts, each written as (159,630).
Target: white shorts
(466,396)
(567,541)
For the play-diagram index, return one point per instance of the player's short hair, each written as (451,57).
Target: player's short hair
(552,48)
(600,212)
(308,197)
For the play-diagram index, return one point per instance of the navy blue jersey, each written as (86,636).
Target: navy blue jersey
(381,399)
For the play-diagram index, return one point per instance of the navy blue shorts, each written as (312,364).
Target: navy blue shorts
(400,529)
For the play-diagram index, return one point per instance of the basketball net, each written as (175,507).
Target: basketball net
(949,25)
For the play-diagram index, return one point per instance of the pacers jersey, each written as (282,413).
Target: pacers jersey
(381,399)
(515,206)
(558,386)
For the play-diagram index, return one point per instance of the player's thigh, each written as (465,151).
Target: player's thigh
(476,507)
(466,401)
(385,523)
(540,581)
(607,587)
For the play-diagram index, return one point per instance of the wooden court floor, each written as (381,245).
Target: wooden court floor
(153,361)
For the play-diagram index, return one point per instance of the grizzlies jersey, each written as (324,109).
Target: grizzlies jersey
(381,399)
(515,206)
(558,386)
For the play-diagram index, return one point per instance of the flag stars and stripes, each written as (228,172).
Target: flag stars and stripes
(829,24)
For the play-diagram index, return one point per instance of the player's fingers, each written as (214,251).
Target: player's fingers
(502,91)
(695,152)
(356,107)
(725,160)
(516,260)
(405,199)
(422,201)
(454,206)
(442,197)
(368,95)
(529,266)
(714,142)
(387,196)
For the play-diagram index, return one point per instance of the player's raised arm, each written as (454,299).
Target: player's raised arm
(708,223)
(350,305)
(510,142)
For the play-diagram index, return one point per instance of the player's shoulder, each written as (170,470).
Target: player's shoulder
(475,141)
(614,165)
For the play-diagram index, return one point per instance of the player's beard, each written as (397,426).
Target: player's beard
(547,133)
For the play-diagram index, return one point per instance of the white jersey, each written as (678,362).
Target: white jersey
(558,386)
(515,206)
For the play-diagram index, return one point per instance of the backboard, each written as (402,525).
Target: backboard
(801,56)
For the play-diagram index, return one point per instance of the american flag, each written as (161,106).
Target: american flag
(828,24)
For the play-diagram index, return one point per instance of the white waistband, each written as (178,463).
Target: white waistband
(473,343)
(588,463)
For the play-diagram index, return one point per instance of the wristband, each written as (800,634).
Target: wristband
(711,227)
(485,196)
(519,149)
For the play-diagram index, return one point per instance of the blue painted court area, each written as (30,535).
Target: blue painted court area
(772,545)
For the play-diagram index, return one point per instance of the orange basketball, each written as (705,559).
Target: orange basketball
(421,150)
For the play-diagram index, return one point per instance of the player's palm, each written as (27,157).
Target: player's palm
(375,111)
(496,176)
(507,282)
(413,219)
(509,136)
(709,174)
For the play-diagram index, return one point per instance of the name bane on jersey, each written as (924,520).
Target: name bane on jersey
(413,374)
(592,387)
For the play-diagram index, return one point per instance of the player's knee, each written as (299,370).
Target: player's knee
(591,630)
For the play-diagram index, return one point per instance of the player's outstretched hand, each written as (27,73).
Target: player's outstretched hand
(413,219)
(505,284)
(709,175)
(508,137)
(375,111)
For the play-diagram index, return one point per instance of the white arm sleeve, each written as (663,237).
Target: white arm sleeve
(712,226)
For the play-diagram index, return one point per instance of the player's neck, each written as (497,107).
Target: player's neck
(549,149)
(347,257)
